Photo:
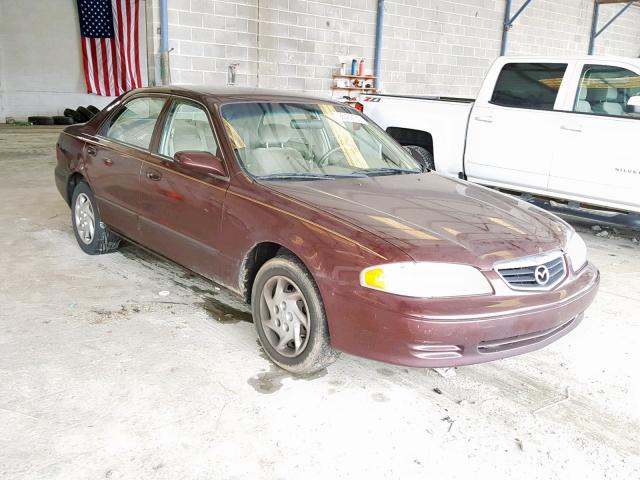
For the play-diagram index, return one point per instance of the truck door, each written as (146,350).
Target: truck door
(595,159)
(509,140)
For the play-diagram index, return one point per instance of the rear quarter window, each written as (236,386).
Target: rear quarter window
(529,85)
(134,123)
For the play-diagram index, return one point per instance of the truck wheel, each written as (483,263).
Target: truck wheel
(422,155)
(289,317)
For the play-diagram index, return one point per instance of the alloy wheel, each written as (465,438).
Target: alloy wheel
(84,218)
(284,315)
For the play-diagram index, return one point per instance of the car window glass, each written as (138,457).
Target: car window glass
(606,90)
(529,85)
(187,128)
(135,122)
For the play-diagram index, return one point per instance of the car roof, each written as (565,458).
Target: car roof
(592,59)
(234,94)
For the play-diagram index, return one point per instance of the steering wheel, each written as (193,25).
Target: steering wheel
(323,160)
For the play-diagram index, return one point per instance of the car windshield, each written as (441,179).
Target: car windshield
(310,141)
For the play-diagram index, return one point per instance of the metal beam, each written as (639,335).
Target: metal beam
(377,55)
(595,33)
(508,22)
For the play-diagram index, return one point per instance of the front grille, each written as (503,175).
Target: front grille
(530,274)
(494,346)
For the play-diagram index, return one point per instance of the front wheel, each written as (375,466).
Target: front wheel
(422,155)
(92,235)
(289,317)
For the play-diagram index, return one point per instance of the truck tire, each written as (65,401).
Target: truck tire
(93,109)
(422,155)
(77,118)
(85,113)
(61,120)
(36,120)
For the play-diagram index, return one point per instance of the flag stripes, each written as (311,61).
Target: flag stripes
(110,45)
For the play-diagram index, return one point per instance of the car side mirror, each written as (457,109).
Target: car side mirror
(200,162)
(633,105)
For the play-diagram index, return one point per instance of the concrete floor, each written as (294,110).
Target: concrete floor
(103,377)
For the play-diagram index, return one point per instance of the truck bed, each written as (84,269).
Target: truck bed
(424,97)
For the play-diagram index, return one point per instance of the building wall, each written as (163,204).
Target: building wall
(429,46)
(41,59)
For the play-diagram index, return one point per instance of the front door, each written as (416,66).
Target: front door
(114,161)
(596,160)
(181,211)
(508,141)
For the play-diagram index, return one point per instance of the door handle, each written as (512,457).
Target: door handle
(485,119)
(91,150)
(107,161)
(155,176)
(572,128)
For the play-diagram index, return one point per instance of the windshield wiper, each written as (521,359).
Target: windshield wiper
(388,171)
(308,176)
(302,176)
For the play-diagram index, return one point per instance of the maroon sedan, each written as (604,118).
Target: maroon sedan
(337,237)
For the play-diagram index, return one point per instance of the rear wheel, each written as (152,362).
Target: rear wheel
(422,155)
(289,317)
(92,235)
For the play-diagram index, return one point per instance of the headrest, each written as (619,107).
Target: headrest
(582,95)
(608,94)
(273,134)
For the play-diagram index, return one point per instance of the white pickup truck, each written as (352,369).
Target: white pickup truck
(566,129)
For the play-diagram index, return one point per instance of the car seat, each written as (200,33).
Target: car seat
(582,105)
(605,100)
(271,155)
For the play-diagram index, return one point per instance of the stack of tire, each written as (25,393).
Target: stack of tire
(71,116)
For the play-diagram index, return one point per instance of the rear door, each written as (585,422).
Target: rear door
(596,159)
(115,158)
(508,140)
(181,211)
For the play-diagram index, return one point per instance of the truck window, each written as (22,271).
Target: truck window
(606,90)
(529,85)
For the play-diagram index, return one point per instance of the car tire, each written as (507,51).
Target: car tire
(70,112)
(85,113)
(422,155)
(36,120)
(93,109)
(62,120)
(93,238)
(294,301)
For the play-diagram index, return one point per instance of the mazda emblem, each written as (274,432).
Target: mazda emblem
(542,275)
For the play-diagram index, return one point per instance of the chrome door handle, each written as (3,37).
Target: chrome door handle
(570,128)
(91,150)
(485,119)
(155,176)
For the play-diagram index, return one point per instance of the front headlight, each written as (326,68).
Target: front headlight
(576,250)
(426,279)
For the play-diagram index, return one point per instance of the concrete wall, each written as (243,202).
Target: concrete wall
(429,46)
(41,59)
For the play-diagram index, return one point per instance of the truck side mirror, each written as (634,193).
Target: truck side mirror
(633,105)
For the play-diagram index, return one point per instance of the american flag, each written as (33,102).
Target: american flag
(109,32)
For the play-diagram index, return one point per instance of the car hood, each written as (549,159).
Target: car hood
(434,218)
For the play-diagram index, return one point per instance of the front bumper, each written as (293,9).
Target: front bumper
(459,331)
